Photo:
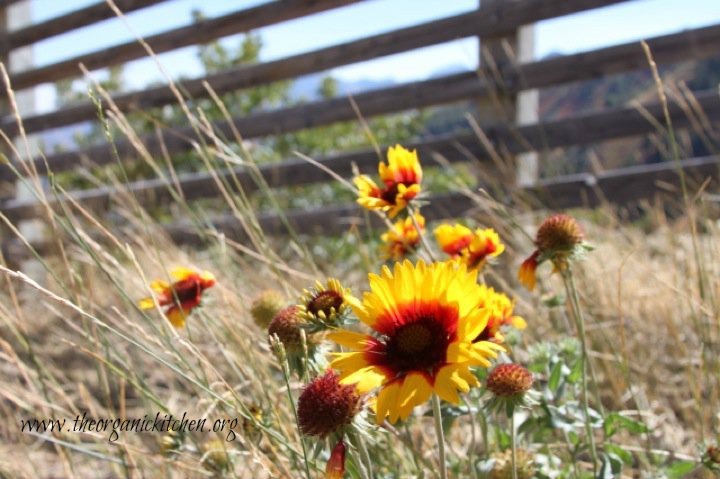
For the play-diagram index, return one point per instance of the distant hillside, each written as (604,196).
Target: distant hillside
(621,91)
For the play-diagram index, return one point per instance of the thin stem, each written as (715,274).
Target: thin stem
(513,445)
(421,235)
(580,322)
(286,375)
(365,455)
(437,415)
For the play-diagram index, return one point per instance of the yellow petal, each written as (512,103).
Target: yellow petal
(445,386)
(349,361)
(181,273)
(177,317)
(415,390)
(159,286)
(350,339)
(518,322)
(365,379)
(146,303)
(386,402)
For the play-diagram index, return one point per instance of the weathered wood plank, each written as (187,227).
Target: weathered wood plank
(615,186)
(584,129)
(412,95)
(625,185)
(700,43)
(7,3)
(504,16)
(73,20)
(200,32)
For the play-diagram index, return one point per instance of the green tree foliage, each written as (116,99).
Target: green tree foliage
(220,56)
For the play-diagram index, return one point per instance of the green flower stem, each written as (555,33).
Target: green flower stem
(437,416)
(366,462)
(421,235)
(513,445)
(580,321)
(285,367)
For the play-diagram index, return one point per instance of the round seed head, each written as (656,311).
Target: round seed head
(502,466)
(558,233)
(215,456)
(265,306)
(508,380)
(286,326)
(325,405)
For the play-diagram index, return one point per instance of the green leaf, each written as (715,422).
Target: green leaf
(615,422)
(620,453)
(680,469)
(576,372)
(606,469)
(555,376)
(554,301)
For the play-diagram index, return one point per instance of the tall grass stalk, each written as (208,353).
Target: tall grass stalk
(437,417)
(572,293)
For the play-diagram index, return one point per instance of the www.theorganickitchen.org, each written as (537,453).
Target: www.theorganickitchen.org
(161,423)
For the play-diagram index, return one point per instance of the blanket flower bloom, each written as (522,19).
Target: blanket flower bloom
(501,314)
(424,318)
(404,238)
(401,176)
(180,297)
(325,305)
(558,238)
(473,248)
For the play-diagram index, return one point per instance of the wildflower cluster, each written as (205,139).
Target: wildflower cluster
(426,326)
(424,330)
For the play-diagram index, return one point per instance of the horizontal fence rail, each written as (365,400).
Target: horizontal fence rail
(73,20)
(617,186)
(572,191)
(543,73)
(202,31)
(503,17)
(584,129)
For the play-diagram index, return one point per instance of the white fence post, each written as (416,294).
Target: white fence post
(514,46)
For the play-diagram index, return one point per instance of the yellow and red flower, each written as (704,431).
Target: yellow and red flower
(325,305)
(470,247)
(501,314)
(485,244)
(401,177)
(558,238)
(425,319)
(404,238)
(181,296)
(453,238)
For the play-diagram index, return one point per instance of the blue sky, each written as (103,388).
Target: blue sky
(625,22)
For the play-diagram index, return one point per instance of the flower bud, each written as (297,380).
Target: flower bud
(325,405)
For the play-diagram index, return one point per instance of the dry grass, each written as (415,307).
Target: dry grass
(75,341)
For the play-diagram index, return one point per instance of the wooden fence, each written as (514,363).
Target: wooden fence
(490,21)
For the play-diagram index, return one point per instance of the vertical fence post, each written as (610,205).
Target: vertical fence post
(34,231)
(496,51)
(5,188)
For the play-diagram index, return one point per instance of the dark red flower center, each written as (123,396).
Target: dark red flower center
(417,346)
(325,301)
(389,194)
(186,290)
